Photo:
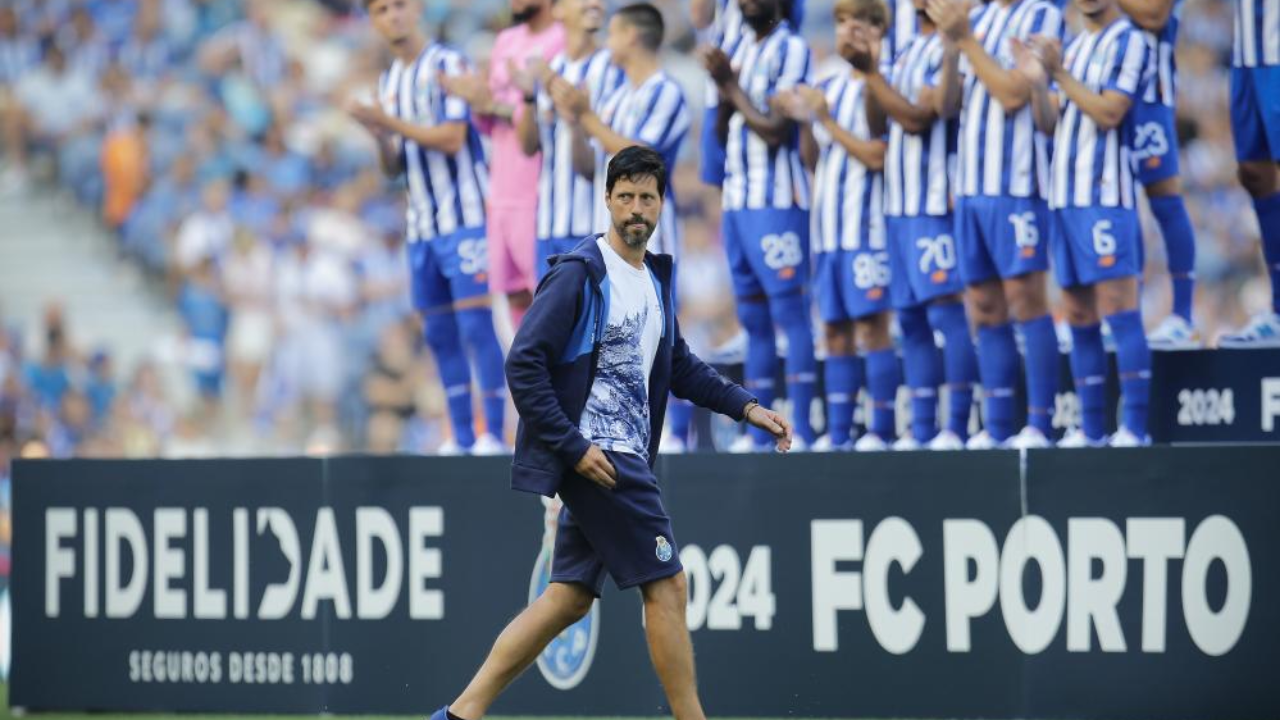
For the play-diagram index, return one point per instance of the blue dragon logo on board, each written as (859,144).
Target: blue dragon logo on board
(567,659)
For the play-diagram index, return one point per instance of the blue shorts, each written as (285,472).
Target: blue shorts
(1255,112)
(1155,142)
(922,253)
(448,268)
(549,247)
(1094,244)
(711,151)
(768,250)
(1000,237)
(624,532)
(852,284)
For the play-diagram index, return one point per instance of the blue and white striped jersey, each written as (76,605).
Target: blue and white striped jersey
(757,176)
(1092,167)
(1164,87)
(903,26)
(1002,154)
(918,167)
(847,195)
(567,201)
(446,192)
(655,114)
(726,30)
(1257,34)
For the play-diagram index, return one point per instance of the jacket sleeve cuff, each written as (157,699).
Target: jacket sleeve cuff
(573,450)
(736,402)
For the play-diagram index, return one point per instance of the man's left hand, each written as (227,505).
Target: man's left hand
(772,422)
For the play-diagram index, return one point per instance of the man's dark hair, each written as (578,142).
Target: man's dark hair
(648,20)
(636,162)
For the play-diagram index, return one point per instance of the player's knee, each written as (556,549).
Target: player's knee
(1258,179)
(476,327)
(573,601)
(873,333)
(1026,296)
(986,304)
(839,339)
(669,593)
(754,317)
(441,332)
(1167,187)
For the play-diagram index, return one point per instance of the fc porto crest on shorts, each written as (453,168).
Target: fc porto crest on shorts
(663,551)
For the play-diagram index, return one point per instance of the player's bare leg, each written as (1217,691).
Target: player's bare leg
(518,646)
(670,647)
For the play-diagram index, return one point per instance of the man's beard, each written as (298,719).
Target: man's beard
(634,238)
(525,15)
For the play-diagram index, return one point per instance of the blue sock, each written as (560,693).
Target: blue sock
(1180,246)
(1089,368)
(1268,209)
(679,415)
(791,313)
(843,377)
(1042,371)
(959,362)
(1133,359)
(998,367)
(476,327)
(883,378)
(923,365)
(443,339)
(762,358)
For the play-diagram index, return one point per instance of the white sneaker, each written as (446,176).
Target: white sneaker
(870,442)
(1263,331)
(1029,439)
(945,440)
(982,441)
(487,444)
(1175,333)
(1077,439)
(450,448)
(907,443)
(672,445)
(1125,437)
(824,445)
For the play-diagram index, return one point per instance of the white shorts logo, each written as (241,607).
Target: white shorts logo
(781,251)
(473,256)
(1149,141)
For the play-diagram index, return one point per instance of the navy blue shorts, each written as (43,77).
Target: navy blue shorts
(624,532)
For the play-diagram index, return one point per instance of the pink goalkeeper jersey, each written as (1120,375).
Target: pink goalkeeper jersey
(513,177)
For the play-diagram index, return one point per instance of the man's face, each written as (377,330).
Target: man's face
(394,20)
(1093,8)
(622,36)
(585,15)
(756,11)
(523,11)
(634,204)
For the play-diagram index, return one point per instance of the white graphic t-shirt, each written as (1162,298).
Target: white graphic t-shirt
(617,413)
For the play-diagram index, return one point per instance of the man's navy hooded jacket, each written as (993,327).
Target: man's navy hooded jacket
(552,365)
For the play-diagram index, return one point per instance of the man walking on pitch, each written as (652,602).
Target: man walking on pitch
(589,371)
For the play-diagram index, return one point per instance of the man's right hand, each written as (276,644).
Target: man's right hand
(595,466)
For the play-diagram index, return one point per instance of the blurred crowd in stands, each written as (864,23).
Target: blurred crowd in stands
(210,138)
